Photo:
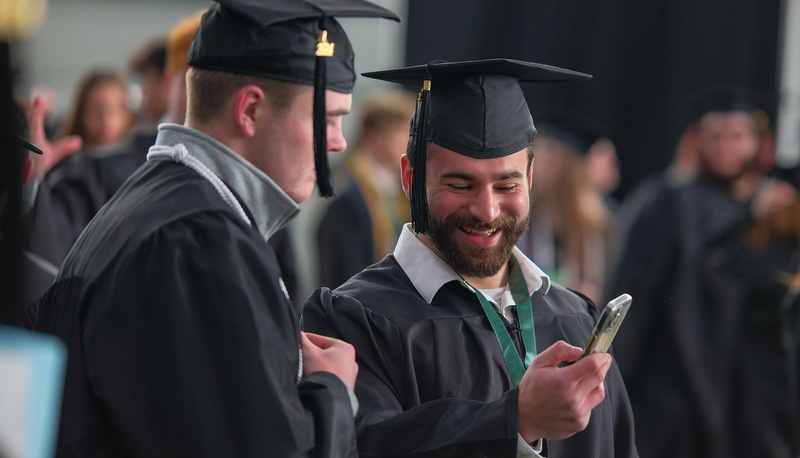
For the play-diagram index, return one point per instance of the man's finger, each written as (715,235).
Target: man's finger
(556,354)
(319,340)
(67,146)
(595,368)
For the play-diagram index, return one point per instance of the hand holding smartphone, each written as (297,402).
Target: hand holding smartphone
(607,325)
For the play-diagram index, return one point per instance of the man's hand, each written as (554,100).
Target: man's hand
(556,402)
(52,153)
(772,197)
(326,354)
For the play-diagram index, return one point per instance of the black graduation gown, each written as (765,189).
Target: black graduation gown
(24,278)
(181,341)
(75,189)
(767,397)
(677,349)
(344,238)
(432,380)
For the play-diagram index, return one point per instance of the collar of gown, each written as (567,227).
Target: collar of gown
(269,205)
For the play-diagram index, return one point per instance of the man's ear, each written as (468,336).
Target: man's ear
(248,107)
(405,174)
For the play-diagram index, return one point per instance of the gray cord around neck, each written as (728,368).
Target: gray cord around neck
(181,155)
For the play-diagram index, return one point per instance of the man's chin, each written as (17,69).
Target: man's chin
(479,262)
(473,256)
(304,194)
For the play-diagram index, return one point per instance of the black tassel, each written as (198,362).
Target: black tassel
(419,198)
(324,181)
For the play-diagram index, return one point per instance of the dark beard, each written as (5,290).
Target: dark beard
(479,262)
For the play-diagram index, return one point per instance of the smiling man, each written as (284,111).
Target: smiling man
(447,329)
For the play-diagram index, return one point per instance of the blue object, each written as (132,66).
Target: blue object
(43,358)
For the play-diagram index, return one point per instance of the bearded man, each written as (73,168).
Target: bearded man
(447,328)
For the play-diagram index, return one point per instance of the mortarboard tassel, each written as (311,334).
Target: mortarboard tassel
(419,198)
(324,50)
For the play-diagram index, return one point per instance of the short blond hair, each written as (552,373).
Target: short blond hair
(208,90)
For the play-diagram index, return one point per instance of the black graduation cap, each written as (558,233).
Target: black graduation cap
(475,108)
(728,98)
(298,41)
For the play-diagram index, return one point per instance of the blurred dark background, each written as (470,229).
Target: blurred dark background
(647,57)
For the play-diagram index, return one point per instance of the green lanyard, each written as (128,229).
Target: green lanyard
(519,291)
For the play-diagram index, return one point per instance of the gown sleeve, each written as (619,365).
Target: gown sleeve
(391,410)
(66,200)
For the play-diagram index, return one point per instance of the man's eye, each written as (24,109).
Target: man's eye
(459,187)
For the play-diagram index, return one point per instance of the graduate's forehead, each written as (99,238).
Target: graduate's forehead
(715,122)
(445,163)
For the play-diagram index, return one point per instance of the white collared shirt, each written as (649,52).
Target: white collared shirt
(429,273)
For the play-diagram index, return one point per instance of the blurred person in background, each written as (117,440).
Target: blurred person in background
(362,224)
(32,274)
(73,191)
(603,169)
(99,113)
(762,262)
(679,348)
(568,235)
(685,162)
(147,66)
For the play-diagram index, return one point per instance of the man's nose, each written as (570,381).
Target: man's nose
(485,205)
(336,140)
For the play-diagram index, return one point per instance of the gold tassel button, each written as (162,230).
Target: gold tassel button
(324,48)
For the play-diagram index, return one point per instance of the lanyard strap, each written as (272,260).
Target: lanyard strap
(519,291)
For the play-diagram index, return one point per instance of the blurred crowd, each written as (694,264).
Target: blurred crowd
(709,248)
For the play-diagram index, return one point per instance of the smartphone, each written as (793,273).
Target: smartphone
(607,325)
